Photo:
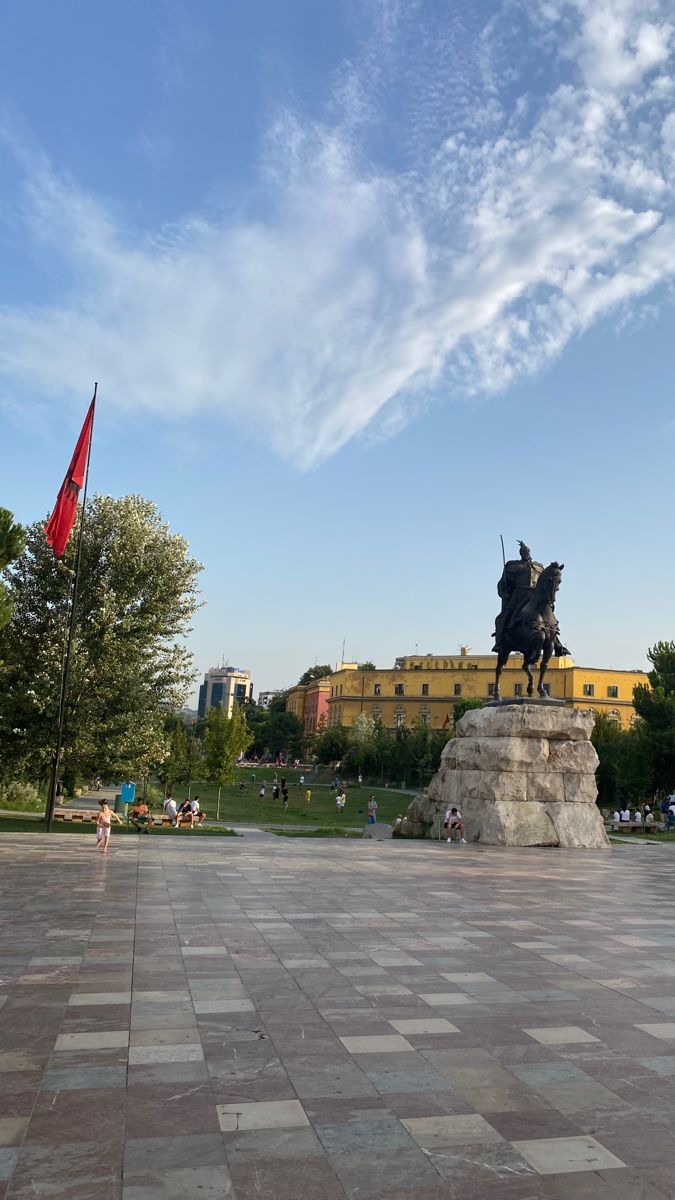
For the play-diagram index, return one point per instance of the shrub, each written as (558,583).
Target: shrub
(21,797)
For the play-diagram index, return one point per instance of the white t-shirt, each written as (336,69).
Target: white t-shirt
(170,807)
(194,806)
(638,818)
(625,815)
(616,817)
(451,816)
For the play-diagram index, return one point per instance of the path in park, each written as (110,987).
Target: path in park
(269,1019)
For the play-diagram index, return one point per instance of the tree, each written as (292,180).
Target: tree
(367,666)
(225,740)
(137,595)
(331,745)
(313,673)
(606,737)
(174,769)
(283,734)
(463,706)
(12,542)
(655,705)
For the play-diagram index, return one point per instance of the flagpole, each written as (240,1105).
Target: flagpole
(65,667)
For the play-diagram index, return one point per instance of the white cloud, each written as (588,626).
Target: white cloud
(363,287)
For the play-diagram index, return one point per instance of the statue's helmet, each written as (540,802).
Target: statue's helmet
(525,551)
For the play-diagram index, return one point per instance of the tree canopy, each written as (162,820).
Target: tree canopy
(313,673)
(12,542)
(129,666)
(655,705)
(225,739)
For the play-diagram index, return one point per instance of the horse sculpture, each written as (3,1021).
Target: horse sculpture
(533,631)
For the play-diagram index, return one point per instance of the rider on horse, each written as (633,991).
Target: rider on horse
(519,578)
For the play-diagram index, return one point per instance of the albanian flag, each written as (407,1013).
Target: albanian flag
(63,517)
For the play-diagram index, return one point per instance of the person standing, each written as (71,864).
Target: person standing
(372,809)
(261,793)
(308,796)
(275,791)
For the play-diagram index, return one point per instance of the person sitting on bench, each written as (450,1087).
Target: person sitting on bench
(197,814)
(140,815)
(185,814)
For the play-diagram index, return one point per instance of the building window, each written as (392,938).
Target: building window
(547,689)
(377,689)
(457,690)
(613,691)
(491,689)
(589,689)
(425,689)
(399,718)
(517,689)
(399,689)
(615,717)
(340,689)
(424,716)
(376,712)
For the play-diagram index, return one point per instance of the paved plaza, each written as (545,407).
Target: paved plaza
(269,1019)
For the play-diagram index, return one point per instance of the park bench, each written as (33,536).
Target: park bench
(636,826)
(77,817)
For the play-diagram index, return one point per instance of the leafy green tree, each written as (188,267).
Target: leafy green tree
(313,673)
(174,769)
(607,738)
(129,665)
(463,706)
(283,734)
(331,745)
(655,705)
(367,666)
(225,740)
(12,542)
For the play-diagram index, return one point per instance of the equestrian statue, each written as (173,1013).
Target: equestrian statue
(527,624)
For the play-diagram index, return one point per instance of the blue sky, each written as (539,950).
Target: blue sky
(364,284)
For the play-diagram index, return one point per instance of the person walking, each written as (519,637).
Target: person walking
(308,796)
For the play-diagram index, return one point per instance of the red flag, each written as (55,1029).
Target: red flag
(63,517)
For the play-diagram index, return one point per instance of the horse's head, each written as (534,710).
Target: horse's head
(549,581)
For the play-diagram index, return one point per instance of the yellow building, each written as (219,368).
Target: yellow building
(428,686)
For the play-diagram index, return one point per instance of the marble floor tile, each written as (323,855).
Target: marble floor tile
(561,1035)
(551,1156)
(377,1044)
(272,1114)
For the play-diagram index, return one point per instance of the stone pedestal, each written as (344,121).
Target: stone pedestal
(523,775)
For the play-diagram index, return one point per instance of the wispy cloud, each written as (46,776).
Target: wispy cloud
(530,194)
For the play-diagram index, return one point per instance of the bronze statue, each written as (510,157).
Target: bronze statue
(527,623)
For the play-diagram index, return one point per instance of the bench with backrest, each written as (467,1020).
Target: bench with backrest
(633,826)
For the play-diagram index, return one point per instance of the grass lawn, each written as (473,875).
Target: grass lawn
(246,808)
(26,825)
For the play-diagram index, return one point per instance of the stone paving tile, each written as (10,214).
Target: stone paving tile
(389,1022)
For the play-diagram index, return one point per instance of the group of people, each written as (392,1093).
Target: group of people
(623,816)
(277,790)
(189,810)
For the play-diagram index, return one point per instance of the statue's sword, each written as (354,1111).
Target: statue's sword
(503,554)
